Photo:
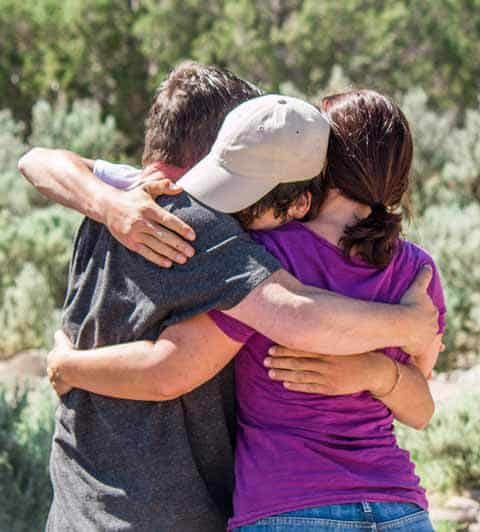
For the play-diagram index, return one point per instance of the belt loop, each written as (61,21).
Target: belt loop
(366,507)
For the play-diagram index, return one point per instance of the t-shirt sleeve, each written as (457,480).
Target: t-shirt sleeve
(435,291)
(233,328)
(121,176)
(226,267)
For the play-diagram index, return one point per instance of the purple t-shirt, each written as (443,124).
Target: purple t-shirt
(296,450)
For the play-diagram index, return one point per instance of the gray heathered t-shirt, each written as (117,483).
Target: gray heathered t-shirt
(120,465)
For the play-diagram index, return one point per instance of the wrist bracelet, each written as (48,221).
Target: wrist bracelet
(396,383)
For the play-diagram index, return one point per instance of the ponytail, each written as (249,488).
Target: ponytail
(373,238)
(370,154)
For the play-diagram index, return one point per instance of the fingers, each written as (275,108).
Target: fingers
(303,377)
(150,255)
(162,236)
(296,364)
(155,213)
(280,351)
(306,388)
(162,249)
(160,187)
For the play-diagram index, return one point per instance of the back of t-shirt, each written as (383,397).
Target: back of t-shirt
(142,466)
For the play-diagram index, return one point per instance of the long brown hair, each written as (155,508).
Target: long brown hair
(369,161)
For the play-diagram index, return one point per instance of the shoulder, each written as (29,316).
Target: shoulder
(415,255)
(281,236)
(210,225)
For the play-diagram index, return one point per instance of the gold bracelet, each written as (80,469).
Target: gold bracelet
(397,381)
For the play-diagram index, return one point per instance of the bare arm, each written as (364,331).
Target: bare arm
(410,400)
(190,353)
(310,319)
(67,178)
(133,217)
(185,356)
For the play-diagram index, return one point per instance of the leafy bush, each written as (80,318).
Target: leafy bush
(80,128)
(27,314)
(13,191)
(452,235)
(447,452)
(35,237)
(43,238)
(26,427)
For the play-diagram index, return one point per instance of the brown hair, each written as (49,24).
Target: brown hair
(281,198)
(369,160)
(188,110)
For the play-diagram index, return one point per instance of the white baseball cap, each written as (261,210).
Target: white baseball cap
(263,142)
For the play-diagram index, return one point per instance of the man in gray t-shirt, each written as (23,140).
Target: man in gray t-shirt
(145,466)
(150,466)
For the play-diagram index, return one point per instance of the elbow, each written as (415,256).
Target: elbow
(28,161)
(24,162)
(166,383)
(162,391)
(423,423)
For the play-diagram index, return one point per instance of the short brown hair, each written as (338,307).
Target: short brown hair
(281,198)
(188,110)
(369,160)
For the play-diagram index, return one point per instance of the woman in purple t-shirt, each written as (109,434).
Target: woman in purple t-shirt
(306,462)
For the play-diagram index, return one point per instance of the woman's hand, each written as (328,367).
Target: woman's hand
(60,350)
(140,224)
(331,375)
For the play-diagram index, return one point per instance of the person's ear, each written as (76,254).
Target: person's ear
(300,208)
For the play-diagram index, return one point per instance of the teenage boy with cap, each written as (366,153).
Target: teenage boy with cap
(120,465)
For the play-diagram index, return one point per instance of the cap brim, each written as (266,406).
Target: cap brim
(211,184)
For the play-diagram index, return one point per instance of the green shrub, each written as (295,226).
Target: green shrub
(36,237)
(34,256)
(27,314)
(452,235)
(13,189)
(26,428)
(81,128)
(43,238)
(447,453)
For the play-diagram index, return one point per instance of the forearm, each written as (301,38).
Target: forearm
(311,319)
(184,357)
(126,371)
(410,400)
(66,178)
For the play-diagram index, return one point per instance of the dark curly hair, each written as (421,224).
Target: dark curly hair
(282,197)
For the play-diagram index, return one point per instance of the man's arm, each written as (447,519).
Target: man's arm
(190,353)
(133,217)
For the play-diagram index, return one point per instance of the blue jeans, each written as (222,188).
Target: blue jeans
(374,516)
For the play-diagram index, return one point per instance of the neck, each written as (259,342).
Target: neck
(170,171)
(337,213)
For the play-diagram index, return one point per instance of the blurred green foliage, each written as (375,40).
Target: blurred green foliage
(26,428)
(117,51)
(446,454)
